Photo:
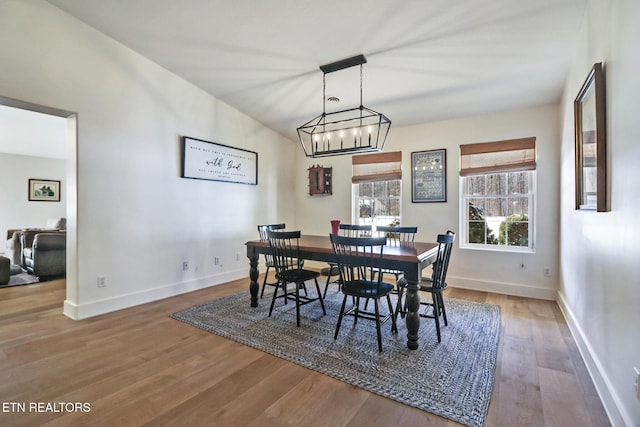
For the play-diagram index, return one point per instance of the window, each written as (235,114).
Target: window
(377,188)
(378,203)
(498,209)
(498,195)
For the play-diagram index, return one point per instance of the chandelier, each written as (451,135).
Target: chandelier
(355,130)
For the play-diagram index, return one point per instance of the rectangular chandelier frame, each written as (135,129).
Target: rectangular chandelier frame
(354,130)
(344,132)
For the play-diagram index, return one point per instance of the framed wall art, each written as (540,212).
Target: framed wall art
(590,135)
(217,162)
(44,190)
(429,176)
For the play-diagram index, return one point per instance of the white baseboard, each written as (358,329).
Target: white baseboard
(610,400)
(95,308)
(502,288)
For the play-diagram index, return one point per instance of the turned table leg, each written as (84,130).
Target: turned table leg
(254,287)
(412,306)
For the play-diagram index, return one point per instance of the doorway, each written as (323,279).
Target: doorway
(70,188)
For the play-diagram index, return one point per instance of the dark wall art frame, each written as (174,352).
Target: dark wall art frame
(217,162)
(590,141)
(429,176)
(44,190)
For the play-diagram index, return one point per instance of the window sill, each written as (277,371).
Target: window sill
(499,248)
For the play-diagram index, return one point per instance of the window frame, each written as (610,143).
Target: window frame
(531,215)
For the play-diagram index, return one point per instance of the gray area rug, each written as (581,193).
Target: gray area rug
(20,279)
(452,379)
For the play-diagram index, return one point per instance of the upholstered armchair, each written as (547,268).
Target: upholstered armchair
(45,254)
(15,239)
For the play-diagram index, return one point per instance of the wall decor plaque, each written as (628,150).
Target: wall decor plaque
(217,162)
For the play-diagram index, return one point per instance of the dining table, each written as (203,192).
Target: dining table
(410,258)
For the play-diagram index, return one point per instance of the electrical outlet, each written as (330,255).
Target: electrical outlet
(547,272)
(636,376)
(185,265)
(216,260)
(102,281)
(237,256)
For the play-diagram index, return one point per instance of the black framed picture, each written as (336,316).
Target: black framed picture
(429,176)
(44,190)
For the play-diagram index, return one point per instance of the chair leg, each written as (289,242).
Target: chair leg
(356,311)
(273,298)
(329,276)
(320,296)
(378,329)
(264,282)
(298,303)
(399,310)
(326,286)
(344,303)
(442,309)
(436,314)
(284,287)
(394,326)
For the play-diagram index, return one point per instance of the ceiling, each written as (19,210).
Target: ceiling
(428,60)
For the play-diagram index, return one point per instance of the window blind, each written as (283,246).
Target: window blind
(498,156)
(377,167)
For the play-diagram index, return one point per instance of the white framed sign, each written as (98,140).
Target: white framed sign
(217,162)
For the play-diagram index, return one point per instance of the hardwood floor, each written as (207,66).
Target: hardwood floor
(139,367)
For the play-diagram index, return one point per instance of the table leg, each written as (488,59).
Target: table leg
(412,305)
(254,287)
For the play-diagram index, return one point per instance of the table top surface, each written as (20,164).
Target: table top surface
(411,252)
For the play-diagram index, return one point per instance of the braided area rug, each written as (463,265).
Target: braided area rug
(452,379)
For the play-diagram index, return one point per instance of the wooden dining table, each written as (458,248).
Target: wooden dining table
(410,258)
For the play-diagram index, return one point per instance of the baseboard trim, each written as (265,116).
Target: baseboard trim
(96,308)
(514,289)
(608,396)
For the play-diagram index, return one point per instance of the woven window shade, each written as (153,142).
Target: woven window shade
(377,167)
(498,156)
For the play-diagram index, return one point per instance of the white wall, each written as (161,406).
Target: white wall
(600,272)
(485,270)
(137,220)
(16,211)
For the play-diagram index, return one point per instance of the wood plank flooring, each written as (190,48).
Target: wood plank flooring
(138,367)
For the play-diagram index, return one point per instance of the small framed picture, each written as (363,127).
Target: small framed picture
(44,190)
(429,176)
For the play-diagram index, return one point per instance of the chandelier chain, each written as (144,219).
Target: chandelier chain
(361,85)
(324,94)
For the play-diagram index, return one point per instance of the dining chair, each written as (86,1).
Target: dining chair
(397,236)
(358,260)
(435,285)
(262,230)
(285,250)
(348,230)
